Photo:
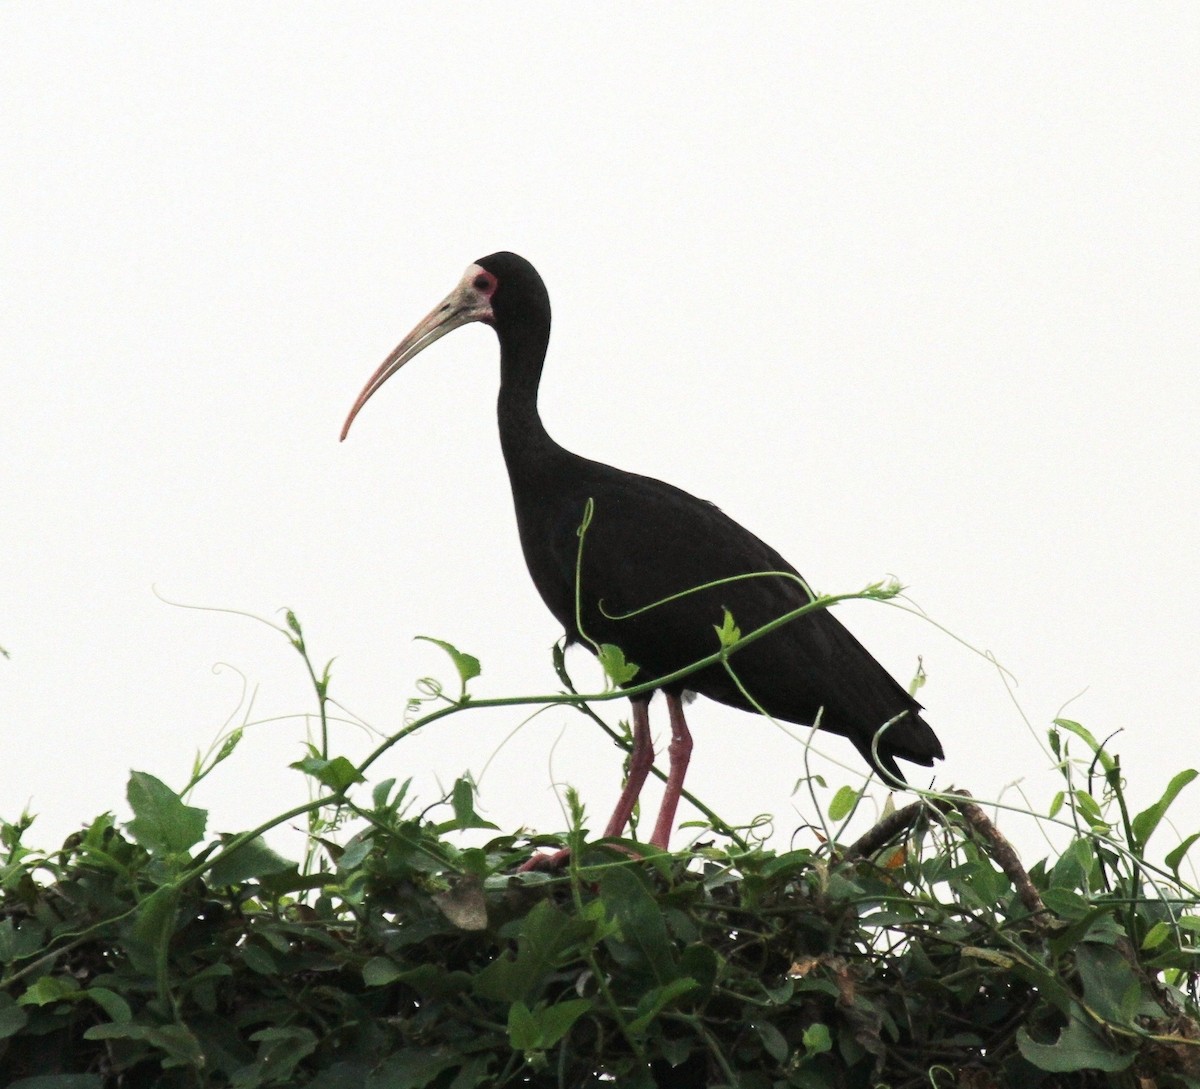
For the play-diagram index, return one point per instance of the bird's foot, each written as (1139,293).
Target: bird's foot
(556,860)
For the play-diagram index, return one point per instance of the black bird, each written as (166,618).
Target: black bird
(646,542)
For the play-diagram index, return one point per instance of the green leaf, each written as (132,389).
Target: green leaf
(467,665)
(161,822)
(280,1050)
(380,971)
(1156,935)
(843,803)
(463,800)
(543,1027)
(18,941)
(772,1040)
(545,936)
(337,774)
(1066,902)
(49,989)
(1148,820)
(252,859)
(111,1003)
(816,1039)
(640,918)
(702,963)
(1090,808)
(177,1043)
(1078,1048)
(654,1001)
(59,1081)
(1106,761)
(1175,856)
(433,981)
(12,1020)
(1106,977)
(381,791)
(154,923)
(414,1068)
(523,1032)
(727,631)
(612,660)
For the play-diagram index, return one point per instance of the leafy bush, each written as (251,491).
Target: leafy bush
(397,956)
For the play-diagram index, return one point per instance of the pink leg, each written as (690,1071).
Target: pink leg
(640,761)
(680,753)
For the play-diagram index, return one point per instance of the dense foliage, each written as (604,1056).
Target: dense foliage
(395,956)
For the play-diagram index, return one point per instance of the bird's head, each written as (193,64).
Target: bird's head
(503,290)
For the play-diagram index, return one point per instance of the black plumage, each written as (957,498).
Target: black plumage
(648,540)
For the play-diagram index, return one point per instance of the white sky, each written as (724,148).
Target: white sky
(905,289)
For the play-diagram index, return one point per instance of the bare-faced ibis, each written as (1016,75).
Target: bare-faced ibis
(648,541)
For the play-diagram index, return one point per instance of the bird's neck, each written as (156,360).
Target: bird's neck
(529,451)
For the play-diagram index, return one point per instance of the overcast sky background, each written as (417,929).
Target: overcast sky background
(907,289)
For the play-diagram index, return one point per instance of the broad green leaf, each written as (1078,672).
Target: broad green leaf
(414,1068)
(155,921)
(797,861)
(463,800)
(816,1039)
(772,1040)
(843,803)
(654,1001)
(1175,856)
(467,664)
(252,859)
(1077,1048)
(381,791)
(279,1052)
(1106,977)
(111,1003)
(433,981)
(556,1021)
(162,823)
(20,940)
(546,934)
(612,661)
(1074,866)
(1090,808)
(49,989)
(337,774)
(12,1020)
(1148,820)
(986,881)
(178,1044)
(523,1032)
(1156,935)
(380,971)
(727,631)
(259,960)
(1066,902)
(702,963)
(544,1026)
(628,900)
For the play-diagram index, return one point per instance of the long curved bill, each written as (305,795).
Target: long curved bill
(466,303)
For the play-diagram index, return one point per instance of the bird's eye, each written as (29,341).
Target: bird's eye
(482,283)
